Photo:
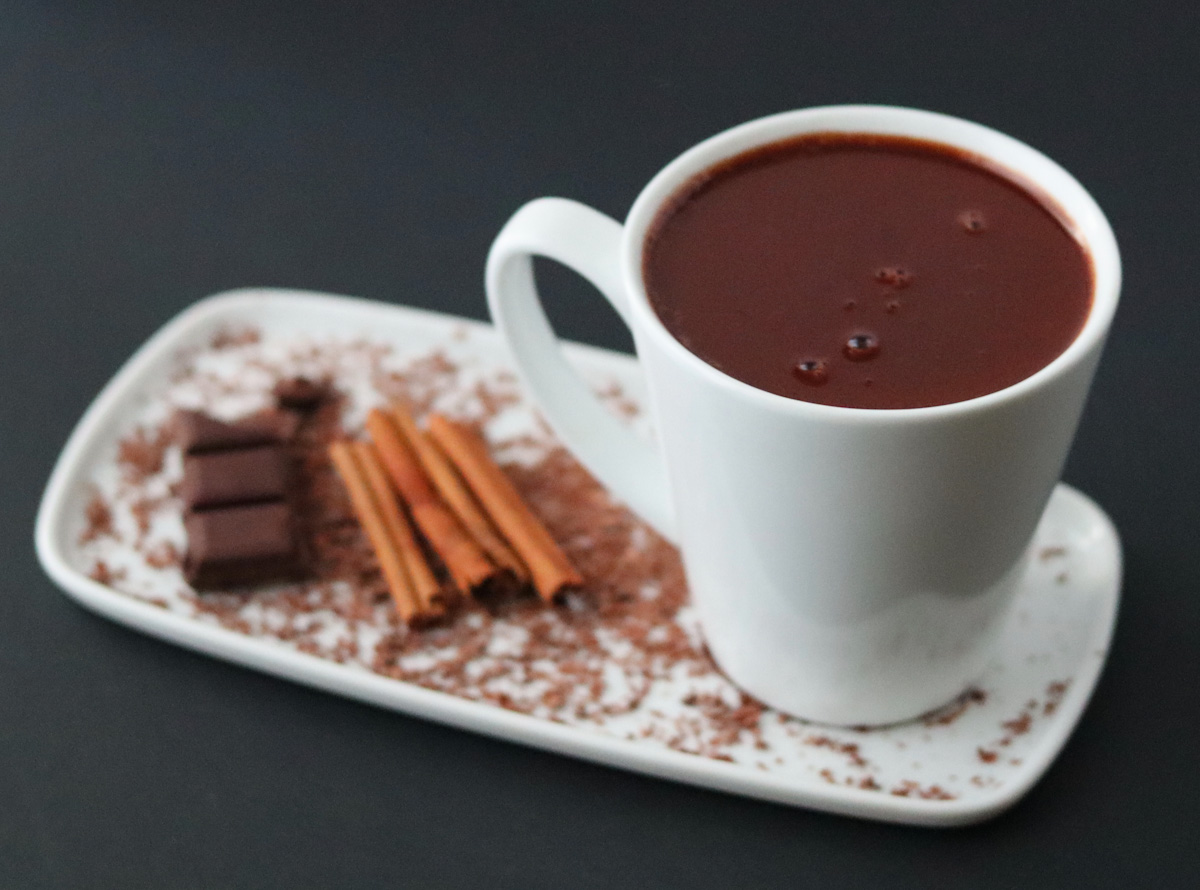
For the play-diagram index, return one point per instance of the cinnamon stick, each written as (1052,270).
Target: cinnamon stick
(425,584)
(551,570)
(369,516)
(467,564)
(457,494)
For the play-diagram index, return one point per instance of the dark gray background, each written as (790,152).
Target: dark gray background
(152,153)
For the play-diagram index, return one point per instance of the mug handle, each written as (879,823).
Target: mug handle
(588,242)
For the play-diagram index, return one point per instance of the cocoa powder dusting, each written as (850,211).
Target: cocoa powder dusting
(951,712)
(164,555)
(103,574)
(140,454)
(915,789)
(849,749)
(1022,723)
(1054,696)
(596,658)
(1019,725)
(98,519)
(231,338)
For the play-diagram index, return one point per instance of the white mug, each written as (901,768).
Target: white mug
(849,566)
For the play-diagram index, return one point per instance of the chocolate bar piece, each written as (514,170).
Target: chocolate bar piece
(244,476)
(240,546)
(300,393)
(198,433)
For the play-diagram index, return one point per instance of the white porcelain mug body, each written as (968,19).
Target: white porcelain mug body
(849,566)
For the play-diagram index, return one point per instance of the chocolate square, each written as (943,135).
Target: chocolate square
(239,546)
(244,476)
(198,433)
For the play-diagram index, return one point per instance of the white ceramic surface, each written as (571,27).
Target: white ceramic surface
(850,566)
(1045,666)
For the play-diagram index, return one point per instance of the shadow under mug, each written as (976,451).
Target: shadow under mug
(848,566)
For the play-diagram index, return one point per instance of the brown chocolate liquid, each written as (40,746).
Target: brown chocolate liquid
(867,271)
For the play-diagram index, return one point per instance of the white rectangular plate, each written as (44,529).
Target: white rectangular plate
(984,758)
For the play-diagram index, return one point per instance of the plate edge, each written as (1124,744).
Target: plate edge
(675,766)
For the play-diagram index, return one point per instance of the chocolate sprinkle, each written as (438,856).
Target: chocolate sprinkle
(300,393)
(140,454)
(603,657)
(98,519)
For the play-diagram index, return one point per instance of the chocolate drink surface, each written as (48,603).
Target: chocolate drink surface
(867,271)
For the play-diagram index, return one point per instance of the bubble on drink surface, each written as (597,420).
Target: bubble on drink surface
(972,221)
(850,305)
(891,307)
(861,347)
(813,371)
(894,276)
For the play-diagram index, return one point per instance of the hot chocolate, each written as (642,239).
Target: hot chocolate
(867,271)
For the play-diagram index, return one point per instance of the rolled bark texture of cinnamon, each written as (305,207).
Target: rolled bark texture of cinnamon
(551,571)
(368,509)
(461,502)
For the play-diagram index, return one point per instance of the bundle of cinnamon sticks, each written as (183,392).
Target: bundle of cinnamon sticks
(441,486)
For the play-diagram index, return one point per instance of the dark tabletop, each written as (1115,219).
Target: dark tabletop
(151,154)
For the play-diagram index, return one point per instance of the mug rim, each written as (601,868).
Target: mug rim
(1021,161)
